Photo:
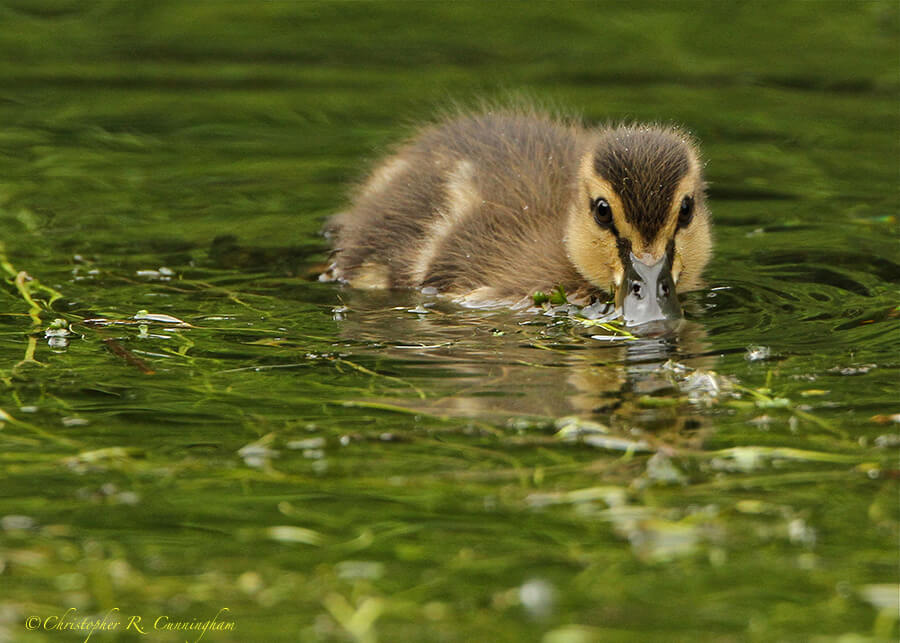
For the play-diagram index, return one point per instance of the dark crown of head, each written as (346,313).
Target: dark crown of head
(644,165)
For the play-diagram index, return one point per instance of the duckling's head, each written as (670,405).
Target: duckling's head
(639,225)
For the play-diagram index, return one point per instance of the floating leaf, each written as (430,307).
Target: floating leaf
(143,315)
(882,596)
(558,296)
(292,534)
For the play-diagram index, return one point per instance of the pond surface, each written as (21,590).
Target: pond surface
(209,427)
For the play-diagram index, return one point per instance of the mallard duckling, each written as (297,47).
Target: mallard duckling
(490,208)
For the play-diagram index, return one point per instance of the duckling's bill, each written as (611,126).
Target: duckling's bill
(647,293)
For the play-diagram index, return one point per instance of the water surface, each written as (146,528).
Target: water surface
(333,465)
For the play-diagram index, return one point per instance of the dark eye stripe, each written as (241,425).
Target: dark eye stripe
(686,212)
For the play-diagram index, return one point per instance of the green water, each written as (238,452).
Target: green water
(329,466)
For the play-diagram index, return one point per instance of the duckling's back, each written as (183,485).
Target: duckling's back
(474,207)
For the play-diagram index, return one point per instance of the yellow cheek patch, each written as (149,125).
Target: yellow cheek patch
(618,274)
(591,249)
(677,266)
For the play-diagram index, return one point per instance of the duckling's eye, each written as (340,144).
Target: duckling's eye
(686,212)
(602,212)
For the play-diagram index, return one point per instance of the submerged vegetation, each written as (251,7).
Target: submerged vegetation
(191,422)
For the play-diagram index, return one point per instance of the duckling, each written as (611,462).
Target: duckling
(489,208)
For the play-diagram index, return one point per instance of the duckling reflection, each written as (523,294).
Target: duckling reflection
(497,365)
(489,208)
